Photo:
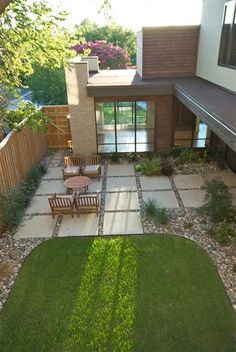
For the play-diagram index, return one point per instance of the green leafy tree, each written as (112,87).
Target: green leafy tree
(111,33)
(48,85)
(30,34)
(27,114)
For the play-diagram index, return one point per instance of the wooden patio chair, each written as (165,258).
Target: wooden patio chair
(92,166)
(72,165)
(62,204)
(87,203)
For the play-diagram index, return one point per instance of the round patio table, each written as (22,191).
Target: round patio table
(77,182)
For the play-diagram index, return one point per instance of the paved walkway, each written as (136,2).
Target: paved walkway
(122,192)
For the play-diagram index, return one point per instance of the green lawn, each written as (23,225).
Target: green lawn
(137,293)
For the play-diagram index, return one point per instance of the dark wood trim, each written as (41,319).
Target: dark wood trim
(125,98)
(132,90)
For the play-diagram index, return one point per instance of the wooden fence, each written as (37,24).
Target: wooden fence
(59,126)
(19,152)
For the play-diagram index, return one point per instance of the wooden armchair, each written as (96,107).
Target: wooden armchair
(87,203)
(92,166)
(71,166)
(62,204)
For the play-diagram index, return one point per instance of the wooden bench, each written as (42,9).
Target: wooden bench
(62,204)
(87,203)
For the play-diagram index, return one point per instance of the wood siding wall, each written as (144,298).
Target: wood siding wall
(19,152)
(164,123)
(169,51)
(59,126)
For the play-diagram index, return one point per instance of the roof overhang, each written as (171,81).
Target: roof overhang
(227,134)
(212,104)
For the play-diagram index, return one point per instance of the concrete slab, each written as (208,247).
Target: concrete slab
(120,170)
(188,181)
(50,187)
(118,184)
(122,201)
(192,198)
(53,172)
(123,223)
(58,154)
(84,225)
(36,226)
(39,205)
(155,182)
(95,186)
(164,199)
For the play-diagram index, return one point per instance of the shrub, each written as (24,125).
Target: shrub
(14,202)
(216,154)
(161,216)
(168,166)
(158,215)
(114,157)
(188,155)
(175,151)
(222,233)
(218,200)
(150,167)
(133,157)
(149,208)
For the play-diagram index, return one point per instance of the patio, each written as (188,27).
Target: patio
(122,192)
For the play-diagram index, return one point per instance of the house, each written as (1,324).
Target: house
(182,93)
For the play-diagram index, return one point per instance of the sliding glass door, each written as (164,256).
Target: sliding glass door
(126,126)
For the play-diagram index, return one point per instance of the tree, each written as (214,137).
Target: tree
(30,34)
(48,85)
(112,33)
(110,56)
(26,114)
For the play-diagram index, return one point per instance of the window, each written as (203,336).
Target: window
(227,54)
(125,126)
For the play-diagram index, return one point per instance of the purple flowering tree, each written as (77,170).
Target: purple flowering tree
(110,56)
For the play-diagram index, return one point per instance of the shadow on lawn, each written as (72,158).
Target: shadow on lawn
(104,310)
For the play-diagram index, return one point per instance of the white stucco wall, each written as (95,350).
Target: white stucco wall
(209,43)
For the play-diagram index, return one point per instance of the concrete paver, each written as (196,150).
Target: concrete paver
(122,223)
(121,184)
(36,226)
(95,186)
(122,201)
(84,225)
(39,205)
(164,199)
(155,182)
(188,181)
(53,173)
(120,170)
(192,198)
(50,187)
